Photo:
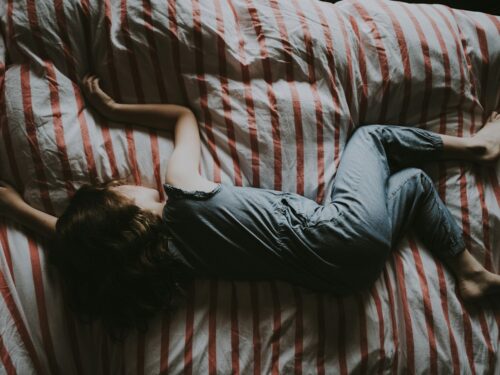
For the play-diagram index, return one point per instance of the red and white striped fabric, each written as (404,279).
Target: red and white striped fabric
(277,86)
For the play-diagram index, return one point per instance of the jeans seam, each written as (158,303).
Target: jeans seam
(391,197)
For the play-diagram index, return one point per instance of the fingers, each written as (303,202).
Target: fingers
(89,83)
(95,84)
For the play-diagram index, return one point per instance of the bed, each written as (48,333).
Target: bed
(278,86)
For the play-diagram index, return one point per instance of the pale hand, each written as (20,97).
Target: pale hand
(10,200)
(101,101)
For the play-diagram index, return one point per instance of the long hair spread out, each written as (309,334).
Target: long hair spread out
(113,261)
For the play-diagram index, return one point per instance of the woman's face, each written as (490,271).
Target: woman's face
(146,198)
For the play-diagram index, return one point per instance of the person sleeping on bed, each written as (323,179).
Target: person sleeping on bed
(123,254)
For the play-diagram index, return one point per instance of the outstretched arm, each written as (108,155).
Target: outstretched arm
(15,208)
(183,164)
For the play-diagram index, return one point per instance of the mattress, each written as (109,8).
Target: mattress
(278,86)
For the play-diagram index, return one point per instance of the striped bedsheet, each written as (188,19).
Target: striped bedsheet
(278,86)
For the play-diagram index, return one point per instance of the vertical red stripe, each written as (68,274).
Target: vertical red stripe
(381,330)
(320,354)
(361,59)
(318,107)
(59,130)
(276,333)
(485,221)
(155,61)
(212,327)
(112,71)
(33,140)
(363,334)
(5,247)
(427,63)
(266,65)
(71,65)
(4,131)
(297,110)
(38,284)
(249,101)
(405,60)
(110,62)
(188,336)
(383,61)
(331,72)
(235,332)
(108,144)
(202,87)
(226,103)
(470,76)
(341,329)
(347,83)
(134,66)
(9,32)
(426,300)
(495,20)
(137,86)
(410,348)
(299,331)
(153,50)
(443,292)
(85,11)
(485,64)
(254,298)
(394,327)
(6,358)
(19,323)
(176,56)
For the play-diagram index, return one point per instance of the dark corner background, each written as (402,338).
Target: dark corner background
(487,6)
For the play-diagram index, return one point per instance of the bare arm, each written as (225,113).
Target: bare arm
(15,208)
(182,169)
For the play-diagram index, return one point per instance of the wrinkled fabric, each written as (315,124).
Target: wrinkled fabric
(277,86)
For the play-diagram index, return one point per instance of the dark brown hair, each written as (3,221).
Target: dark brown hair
(113,261)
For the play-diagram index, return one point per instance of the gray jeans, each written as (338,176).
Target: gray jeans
(378,194)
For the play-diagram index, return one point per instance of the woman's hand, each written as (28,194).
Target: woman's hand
(11,201)
(101,101)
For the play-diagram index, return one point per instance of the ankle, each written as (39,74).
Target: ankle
(465,266)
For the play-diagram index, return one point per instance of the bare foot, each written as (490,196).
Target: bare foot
(486,142)
(478,284)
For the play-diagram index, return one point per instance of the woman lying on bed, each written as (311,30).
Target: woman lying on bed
(123,254)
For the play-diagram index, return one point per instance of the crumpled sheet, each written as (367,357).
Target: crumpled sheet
(277,86)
